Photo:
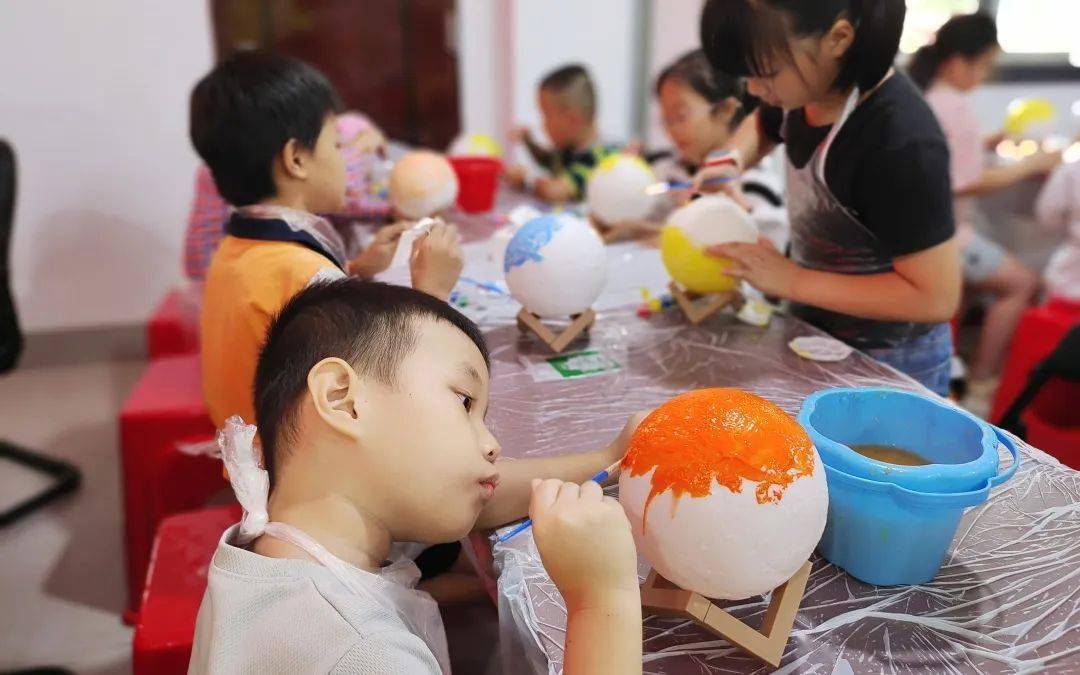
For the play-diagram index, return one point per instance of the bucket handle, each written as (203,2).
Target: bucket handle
(1007,441)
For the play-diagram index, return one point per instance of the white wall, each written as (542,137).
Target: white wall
(674,32)
(992,100)
(95,102)
(505,47)
(600,34)
(477,72)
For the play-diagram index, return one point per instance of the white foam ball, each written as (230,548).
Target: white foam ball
(726,545)
(556,265)
(616,189)
(422,183)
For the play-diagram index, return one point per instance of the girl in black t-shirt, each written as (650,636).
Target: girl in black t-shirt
(874,258)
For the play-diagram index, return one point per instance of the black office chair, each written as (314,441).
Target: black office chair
(66,477)
(1063,362)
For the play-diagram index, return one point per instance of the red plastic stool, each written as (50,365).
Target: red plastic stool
(174,326)
(175,582)
(1053,421)
(1040,330)
(166,407)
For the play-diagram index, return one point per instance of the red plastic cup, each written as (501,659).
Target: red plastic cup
(478,181)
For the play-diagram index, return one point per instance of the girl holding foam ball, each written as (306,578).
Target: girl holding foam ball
(874,258)
(700,109)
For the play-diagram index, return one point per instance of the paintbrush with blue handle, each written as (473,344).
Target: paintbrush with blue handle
(598,478)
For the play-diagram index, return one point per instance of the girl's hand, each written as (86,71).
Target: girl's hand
(722,172)
(761,264)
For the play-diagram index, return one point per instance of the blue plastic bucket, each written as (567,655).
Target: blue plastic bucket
(891,524)
(963,448)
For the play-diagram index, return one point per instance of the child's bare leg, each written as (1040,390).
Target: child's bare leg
(1013,286)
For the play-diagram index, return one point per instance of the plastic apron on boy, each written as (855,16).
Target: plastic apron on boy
(825,236)
(251,484)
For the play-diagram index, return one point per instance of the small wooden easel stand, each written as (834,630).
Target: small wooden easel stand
(527,321)
(697,309)
(665,599)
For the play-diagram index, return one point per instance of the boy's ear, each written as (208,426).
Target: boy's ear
(293,160)
(334,389)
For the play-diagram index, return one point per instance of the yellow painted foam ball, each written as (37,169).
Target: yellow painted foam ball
(475,145)
(1030,117)
(616,189)
(690,230)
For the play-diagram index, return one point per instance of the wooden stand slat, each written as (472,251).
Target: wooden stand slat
(699,309)
(661,597)
(529,322)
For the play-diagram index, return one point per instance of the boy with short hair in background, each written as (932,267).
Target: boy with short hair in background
(567,100)
(264,124)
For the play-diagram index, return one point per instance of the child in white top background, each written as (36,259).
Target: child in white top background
(948,69)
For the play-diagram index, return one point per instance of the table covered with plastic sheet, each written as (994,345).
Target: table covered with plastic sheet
(1006,600)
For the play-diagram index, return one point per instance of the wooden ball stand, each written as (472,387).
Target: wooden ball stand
(698,308)
(529,322)
(664,598)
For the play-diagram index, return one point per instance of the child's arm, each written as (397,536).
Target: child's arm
(436,260)
(747,147)
(1001,177)
(1052,205)
(585,543)
(924,286)
(379,253)
(540,155)
(511,500)
(556,189)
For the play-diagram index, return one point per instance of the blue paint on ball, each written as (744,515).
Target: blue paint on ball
(530,240)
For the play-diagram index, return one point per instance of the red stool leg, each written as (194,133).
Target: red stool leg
(176,581)
(1039,331)
(165,406)
(173,329)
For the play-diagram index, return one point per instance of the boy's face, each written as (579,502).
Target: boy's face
(325,187)
(426,449)
(564,124)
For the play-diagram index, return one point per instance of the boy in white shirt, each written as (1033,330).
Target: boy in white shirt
(371,400)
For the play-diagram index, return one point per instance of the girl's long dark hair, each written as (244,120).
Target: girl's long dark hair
(967,35)
(745,37)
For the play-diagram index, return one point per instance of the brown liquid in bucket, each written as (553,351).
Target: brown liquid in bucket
(890,454)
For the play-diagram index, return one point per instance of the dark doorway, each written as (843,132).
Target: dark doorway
(390,59)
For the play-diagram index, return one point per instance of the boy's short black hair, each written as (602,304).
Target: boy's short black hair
(576,85)
(245,111)
(368,324)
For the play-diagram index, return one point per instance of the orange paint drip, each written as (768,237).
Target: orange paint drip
(723,436)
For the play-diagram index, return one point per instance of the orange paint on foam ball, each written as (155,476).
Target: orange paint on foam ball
(739,489)
(721,435)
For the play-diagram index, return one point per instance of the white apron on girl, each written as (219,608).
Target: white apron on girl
(825,236)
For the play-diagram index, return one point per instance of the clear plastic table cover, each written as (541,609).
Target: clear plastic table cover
(1006,600)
